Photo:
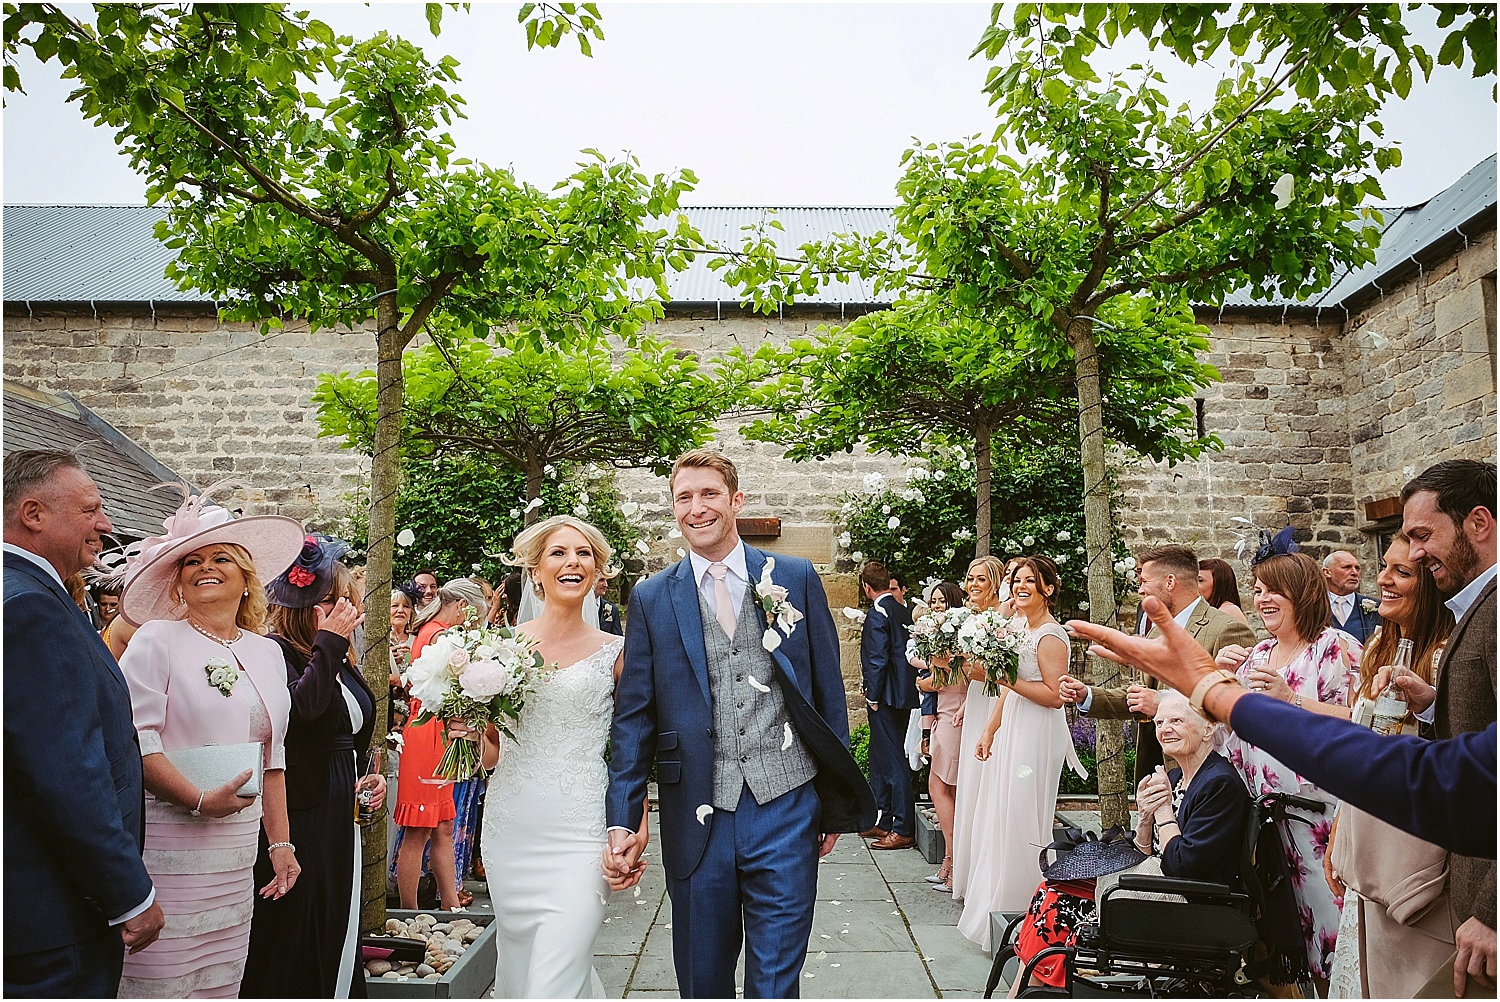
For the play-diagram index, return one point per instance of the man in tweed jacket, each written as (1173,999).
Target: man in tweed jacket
(1449,515)
(1170,573)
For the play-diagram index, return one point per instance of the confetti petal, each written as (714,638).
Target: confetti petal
(756,684)
(770,640)
(786,739)
(704,810)
(406,537)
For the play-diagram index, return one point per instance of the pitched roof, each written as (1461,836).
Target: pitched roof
(108,253)
(123,470)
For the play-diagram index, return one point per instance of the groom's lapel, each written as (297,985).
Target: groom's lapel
(684,592)
(755,564)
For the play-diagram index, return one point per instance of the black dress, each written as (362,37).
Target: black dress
(297,944)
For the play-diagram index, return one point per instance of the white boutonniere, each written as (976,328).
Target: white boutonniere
(779,611)
(1369,605)
(221,674)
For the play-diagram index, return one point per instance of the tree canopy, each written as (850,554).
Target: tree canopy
(536,408)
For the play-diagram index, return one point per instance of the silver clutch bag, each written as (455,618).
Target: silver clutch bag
(215,765)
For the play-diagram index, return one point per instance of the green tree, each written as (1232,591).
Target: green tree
(1034,498)
(536,408)
(311,175)
(464,511)
(903,380)
(1098,191)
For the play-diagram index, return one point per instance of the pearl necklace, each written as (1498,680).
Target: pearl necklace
(238,633)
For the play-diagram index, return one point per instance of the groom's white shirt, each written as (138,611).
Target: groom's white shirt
(737,580)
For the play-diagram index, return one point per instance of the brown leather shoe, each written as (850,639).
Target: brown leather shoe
(874,831)
(894,841)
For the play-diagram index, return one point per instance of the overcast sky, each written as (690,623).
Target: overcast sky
(798,104)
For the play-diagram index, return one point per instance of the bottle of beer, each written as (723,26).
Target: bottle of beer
(1390,706)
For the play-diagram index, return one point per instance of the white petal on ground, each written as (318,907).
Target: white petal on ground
(704,810)
(640,544)
(636,891)
(756,684)
(786,739)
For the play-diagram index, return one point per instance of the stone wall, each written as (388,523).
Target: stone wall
(1316,418)
(1421,372)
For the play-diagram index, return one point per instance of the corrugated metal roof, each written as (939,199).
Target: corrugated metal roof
(124,472)
(82,253)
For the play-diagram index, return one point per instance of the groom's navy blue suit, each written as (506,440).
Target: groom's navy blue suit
(756,865)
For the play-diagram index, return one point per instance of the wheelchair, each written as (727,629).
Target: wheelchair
(1203,946)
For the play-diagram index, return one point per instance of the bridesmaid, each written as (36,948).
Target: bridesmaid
(303,945)
(942,779)
(983,585)
(200,674)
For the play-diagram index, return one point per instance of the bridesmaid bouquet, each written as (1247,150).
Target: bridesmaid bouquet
(478,674)
(936,635)
(993,642)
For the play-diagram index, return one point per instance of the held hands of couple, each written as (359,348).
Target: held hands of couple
(622,862)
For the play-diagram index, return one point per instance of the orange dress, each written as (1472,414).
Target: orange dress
(421,802)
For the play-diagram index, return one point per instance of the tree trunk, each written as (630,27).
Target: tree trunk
(1109,740)
(533,489)
(981,489)
(385,479)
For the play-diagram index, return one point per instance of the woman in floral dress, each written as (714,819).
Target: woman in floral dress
(1306,663)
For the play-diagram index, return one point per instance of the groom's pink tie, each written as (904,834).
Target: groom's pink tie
(723,607)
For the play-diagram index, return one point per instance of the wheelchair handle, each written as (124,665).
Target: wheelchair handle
(1292,800)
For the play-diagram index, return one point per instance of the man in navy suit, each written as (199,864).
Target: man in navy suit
(1353,614)
(745,716)
(890,687)
(76,891)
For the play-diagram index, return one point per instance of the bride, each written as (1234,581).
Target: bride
(543,830)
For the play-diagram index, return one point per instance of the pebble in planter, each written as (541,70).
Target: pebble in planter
(446,942)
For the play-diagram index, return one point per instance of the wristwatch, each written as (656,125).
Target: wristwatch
(1207,682)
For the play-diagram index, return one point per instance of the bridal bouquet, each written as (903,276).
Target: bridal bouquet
(477,674)
(993,642)
(935,635)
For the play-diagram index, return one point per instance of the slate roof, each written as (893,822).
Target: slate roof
(123,470)
(107,254)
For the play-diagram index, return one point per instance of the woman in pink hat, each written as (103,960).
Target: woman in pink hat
(201,674)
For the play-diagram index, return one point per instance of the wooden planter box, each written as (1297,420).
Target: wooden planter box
(469,977)
(929,840)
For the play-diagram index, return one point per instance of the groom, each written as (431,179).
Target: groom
(754,774)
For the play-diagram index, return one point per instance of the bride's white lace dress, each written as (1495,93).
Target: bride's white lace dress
(543,835)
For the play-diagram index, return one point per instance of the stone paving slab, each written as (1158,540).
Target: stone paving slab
(879,931)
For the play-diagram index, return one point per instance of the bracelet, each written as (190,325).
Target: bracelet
(198,811)
(1297,700)
(1173,822)
(281,845)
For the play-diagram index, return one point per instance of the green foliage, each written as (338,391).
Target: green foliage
(1034,494)
(531,407)
(1337,47)
(465,512)
(1073,783)
(859,747)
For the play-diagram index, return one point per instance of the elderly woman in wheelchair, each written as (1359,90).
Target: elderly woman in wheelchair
(1193,824)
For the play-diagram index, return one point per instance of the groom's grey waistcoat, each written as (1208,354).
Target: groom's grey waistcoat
(750,726)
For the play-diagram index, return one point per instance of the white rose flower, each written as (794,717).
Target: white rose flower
(939,474)
(1130,563)
(885,509)
(893,522)
(845,539)
(580,510)
(856,556)
(1028,541)
(1064,536)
